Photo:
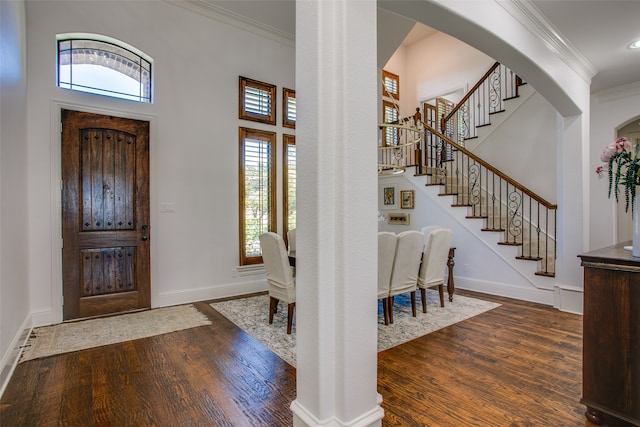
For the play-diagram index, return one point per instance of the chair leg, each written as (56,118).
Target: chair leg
(390,304)
(385,310)
(413,303)
(273,307)
(423,297)
(441,290)
(290,308)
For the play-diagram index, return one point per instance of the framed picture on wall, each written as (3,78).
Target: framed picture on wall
(398,218)
(406,199)
(389,196)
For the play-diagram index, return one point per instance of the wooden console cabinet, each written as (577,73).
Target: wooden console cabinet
(611,335)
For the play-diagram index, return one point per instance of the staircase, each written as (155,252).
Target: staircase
(522,219)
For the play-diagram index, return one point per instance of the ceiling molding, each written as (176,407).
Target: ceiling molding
(210,10)
(618,92)
(525,12)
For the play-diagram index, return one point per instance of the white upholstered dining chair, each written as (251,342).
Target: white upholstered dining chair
(282,283)
(434,263)
(406,265)
(386,253)
(426,231)
(291,241)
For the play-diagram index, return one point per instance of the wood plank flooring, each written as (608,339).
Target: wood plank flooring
(516,365)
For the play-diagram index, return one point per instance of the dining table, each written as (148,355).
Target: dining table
(451,287)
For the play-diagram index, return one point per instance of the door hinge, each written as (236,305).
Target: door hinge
(61,243)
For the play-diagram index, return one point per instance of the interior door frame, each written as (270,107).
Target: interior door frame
(55,314)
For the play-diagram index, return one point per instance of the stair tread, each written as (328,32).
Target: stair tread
(545,274)
(529,258)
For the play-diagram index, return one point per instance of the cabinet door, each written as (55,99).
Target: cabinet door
(611,347)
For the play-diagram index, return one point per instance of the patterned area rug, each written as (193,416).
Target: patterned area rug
(251,314)
(74,336)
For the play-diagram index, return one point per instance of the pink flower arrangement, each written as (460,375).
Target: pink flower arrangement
(622,161)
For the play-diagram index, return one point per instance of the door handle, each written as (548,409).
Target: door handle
(145,238)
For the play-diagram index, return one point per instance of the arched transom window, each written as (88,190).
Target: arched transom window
(105,66)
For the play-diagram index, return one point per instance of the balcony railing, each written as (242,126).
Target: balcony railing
(487,97)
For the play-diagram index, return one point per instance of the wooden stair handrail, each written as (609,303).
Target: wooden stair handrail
(507,178)
(468,95)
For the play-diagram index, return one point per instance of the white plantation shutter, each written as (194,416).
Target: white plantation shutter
(257,101)
(291,109)
(390,116)
(291,185)
(390,85)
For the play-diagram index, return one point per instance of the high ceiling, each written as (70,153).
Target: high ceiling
(600,30)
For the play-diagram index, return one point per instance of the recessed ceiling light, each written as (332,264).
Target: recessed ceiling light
(635,45)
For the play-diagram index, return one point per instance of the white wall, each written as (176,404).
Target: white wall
(194,140)
(611,110)
(441,64)
(524,146)
(14,290)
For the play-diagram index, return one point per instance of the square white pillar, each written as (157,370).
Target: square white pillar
(336,141)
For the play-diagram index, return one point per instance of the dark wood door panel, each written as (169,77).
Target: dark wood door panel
(105,214)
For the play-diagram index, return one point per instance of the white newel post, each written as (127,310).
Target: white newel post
(336,138)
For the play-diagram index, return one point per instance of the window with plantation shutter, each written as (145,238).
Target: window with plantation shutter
(257,191)
(391,85)
(289,183)
(288,108)
(257,101)
(390,135)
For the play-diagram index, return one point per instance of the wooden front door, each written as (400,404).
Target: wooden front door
(105,214)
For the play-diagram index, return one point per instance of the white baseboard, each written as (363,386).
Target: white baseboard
(203,294)
(532,294)
(569,299)
(303,418)
(12,355)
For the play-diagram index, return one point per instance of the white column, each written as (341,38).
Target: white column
(336,138)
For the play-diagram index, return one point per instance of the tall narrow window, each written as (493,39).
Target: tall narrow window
(257,191)
(105,67)
(289,183)
(289,108)
(391,85)
(390,135)
(257,101)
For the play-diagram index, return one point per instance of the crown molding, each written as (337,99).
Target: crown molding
(525,12)
(618,92)
(210,10)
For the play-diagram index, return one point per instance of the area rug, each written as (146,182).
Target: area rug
(81,335)
(251,315)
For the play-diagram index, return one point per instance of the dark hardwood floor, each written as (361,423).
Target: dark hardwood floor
(516,365)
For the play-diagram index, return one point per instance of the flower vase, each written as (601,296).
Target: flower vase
(635,219)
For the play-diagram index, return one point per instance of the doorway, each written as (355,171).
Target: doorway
(624,221)
(105,215)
